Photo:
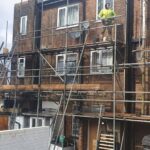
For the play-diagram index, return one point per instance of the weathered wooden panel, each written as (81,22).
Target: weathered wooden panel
(56,87)
(3,122)
(92,134)
(24,42)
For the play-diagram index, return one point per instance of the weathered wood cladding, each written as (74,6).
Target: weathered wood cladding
(24,42)
(143,71)
(49,76)
(3,122)
(30,70)
(51,36)
(55,37)
(138,22)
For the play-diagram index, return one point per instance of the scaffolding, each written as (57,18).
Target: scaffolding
(86,96)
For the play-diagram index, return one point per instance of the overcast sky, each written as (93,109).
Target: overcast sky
(6,14)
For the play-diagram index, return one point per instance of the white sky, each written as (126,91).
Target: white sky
(6,14)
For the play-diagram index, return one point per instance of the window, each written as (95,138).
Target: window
(60,64)
(101,61)
(101,5)
(23,25)
(68,15)
(21,67)
(37,122)
(71,62)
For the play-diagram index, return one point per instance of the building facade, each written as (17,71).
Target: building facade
(99,89)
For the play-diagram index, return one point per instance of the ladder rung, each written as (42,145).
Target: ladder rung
(109,142)
(109,135)
(104,148)
(106,145)
(105,138)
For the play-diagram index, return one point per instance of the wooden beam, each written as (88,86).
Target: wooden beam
(57,87)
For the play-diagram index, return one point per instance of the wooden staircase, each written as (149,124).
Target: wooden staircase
(106,142)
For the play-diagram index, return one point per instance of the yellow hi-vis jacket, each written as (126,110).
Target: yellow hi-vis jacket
(106,13)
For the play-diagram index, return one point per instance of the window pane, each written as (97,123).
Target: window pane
(33,122)
(60,64)
(73,15)
(39,122)
(111,3)
(23,25)
(109,57)
(107,61)
(71,67)
(71,63)
(62,17)
(95,62)
(100,5)
(102,61)
(21,67)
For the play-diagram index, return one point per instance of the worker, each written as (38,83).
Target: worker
(107,17)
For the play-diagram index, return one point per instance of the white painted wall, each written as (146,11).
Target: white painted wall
(48,104)
(19,119)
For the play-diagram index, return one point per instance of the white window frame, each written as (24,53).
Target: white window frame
(18,66)
(103,8)
(64,58)
(23,31)
(66,15)
(36,123)
(58,23)
(100,70)
(57,69)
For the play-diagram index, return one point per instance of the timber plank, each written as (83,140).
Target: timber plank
(57,87)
